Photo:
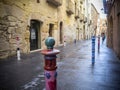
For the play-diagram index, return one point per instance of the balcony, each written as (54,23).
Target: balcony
(77,14)
(70,8)
(55,2)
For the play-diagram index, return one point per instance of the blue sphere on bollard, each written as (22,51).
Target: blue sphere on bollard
(50,42)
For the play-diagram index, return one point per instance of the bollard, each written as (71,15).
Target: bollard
(64,44)
(50,64)
(74,41)
(18,49)
(98,43)
(93,49)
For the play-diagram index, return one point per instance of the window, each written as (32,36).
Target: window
(51,29)
(38,1)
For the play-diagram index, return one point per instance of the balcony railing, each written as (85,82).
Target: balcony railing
(70,7)
(55,2)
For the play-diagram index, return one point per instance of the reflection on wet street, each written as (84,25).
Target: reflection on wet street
(75,69)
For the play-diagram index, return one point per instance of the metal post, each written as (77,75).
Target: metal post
(98,43)
(18,49)
(93,49)
(64,43)
(50,64)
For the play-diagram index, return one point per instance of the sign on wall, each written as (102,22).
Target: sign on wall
(33,35)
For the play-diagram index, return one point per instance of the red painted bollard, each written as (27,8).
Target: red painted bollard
(50,64)
(98,43)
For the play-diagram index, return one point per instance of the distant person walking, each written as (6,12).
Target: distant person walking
(103,37)
(74,41)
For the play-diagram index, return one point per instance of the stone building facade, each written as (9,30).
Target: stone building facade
(102,26)
(113,31)
(79,16)
(87,19)
(13,23)
(32,21)
(94,19)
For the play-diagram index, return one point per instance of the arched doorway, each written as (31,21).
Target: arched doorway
(51,28)
(61,35)
(35,38)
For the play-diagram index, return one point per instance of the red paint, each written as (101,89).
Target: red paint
(52,85)
(98,43)
(17,38)
(50,67)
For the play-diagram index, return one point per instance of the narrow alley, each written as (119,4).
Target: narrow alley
(59,45)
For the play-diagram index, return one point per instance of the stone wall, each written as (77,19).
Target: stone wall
(15,21)
(113,27)
(12,24)
(94,17)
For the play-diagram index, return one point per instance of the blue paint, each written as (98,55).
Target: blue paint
(93,50)
(48,75)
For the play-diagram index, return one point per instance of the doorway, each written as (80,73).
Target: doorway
(35,38)
(51,27)
(61,36)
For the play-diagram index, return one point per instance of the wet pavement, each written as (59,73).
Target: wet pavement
(75,69)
